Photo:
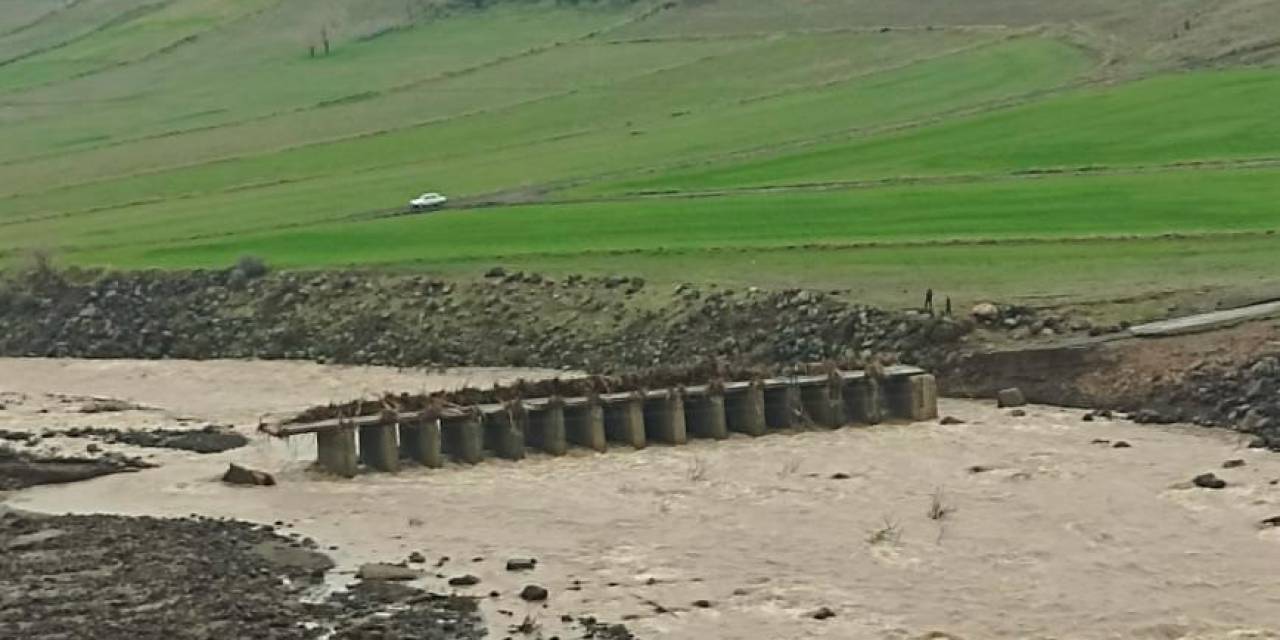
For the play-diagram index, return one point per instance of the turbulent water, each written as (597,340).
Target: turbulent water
(1045,530)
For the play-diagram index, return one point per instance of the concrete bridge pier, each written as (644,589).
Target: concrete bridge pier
(783,408)
(864,401)
(504,431)
(704,415)
(420,442)
(824,403)
(546,428)
(584,424)
(912,398)
(744,409)
(378,447)
(336,451)
(624,420)
(463,437)
(664,418)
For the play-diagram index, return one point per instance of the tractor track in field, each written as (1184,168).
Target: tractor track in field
(121,19)
(157,52)
(41,19)
(324,104)
(977,109)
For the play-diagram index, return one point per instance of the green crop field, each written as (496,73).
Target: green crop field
(1043,151)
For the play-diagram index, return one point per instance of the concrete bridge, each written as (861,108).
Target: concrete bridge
(468,435)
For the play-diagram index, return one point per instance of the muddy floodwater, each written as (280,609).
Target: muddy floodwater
(1036,526)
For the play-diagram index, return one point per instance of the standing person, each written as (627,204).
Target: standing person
(928,301)
(948,306)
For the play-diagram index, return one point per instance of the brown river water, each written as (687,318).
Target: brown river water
(1048,534)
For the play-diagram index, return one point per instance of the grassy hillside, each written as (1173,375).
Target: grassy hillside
(990,147)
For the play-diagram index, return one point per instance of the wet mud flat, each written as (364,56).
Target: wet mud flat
(112,577)
(23,469)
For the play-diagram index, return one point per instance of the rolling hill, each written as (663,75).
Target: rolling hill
(1048,151)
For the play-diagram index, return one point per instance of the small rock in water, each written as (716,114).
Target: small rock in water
(237,474)
(839,476)
(533,593)
(1018,413)
(384,571)
(1209,481)
(1011,397)
(822,614)
(1271,522)
(1121,445)
(522,564)
(417,558)
(1233,464)
(949,420)
(702,604)
(464,581)
(92,448)
(1100,441)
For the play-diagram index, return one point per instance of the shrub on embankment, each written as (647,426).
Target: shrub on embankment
(596,324)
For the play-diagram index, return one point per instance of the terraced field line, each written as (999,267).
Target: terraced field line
(122,19)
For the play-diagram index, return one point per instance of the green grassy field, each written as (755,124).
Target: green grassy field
(997,151)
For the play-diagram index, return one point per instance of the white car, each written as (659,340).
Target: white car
(427,201)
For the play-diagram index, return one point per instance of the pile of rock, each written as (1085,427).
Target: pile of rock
(1246,399)
(599,324)
(1022,322)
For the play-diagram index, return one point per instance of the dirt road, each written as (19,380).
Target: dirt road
(1047,531)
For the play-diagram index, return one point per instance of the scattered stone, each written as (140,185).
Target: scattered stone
(386,571)
(93,448)
(1088,417)
(533,593)
(522,564)
(30,540)
(1011,397)
(1151,416)
(1233,464)
(464,581)
(1271,522)
(702,604)
(417,558)
(840,476)
(237,474)
(950,420)
(1121,444)
(108,405)
(1018,413)
(823,613)
(985,312)
(1209,481)
(1100,441)
(980,468)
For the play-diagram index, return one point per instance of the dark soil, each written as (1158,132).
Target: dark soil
(21,469)
(109,578)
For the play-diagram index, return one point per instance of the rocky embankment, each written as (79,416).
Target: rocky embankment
(595,324)
(110,577)
(1245,398)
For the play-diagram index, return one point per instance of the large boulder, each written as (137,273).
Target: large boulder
(1011,397)
(385,571)
(237,474)
(985,312)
